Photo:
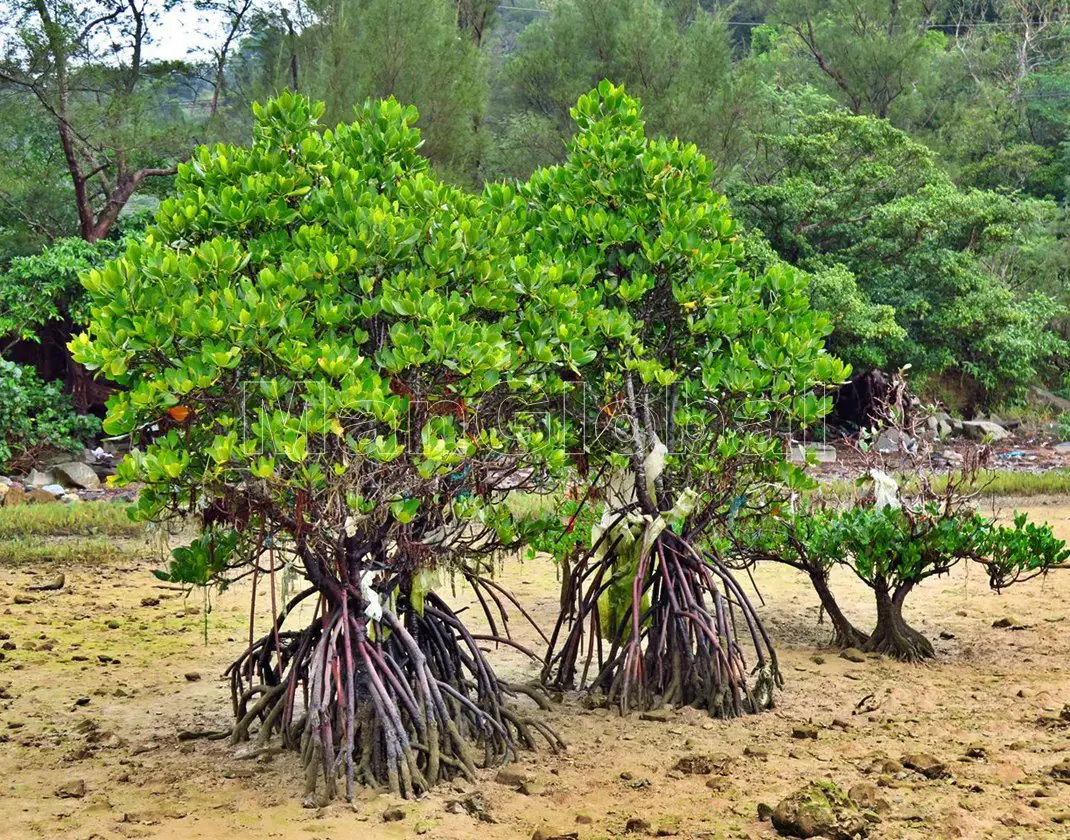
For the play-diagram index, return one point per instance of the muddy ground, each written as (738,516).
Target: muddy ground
(102,680)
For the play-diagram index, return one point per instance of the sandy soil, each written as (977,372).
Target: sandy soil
(100,684)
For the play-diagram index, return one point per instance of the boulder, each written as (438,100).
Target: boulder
(984,430)
(37,478)
(821,809)
(76,474)
(14,495)
(939,425)
(891,441)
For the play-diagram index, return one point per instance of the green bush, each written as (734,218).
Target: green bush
(36,416)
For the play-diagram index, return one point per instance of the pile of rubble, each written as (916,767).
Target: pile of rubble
(62,479)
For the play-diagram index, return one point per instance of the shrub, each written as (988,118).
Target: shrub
(36,416)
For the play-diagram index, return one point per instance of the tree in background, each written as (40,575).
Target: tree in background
(80,67)
(345,51)
(886,234)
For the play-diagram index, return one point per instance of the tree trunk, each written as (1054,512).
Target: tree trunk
(845,634)
(893,636)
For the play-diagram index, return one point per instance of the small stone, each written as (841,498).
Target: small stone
(82,701)
(192,676)
(756,752)
(71,790)
(703,765)
(765,812)
(23,600)
(805,731)
(550,832)
(637,825)
(1008,623)
(52,585)
(584,819)
(840,723)
(1061,770)
(817,659)
(820,809)
(661,715)
(866,796)
(977,750)
(512,777)
(532,788)
(113,624)
(150,602)
(8,646)
(926,764)
(393,815)
(852,655)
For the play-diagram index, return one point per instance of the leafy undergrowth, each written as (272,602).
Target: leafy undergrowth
(85,519)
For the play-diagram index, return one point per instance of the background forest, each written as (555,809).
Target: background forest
(910,155)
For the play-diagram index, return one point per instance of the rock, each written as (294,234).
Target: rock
(661,715)
(193,676)
(805,731)
(1061,771)
(8,646)
(866,796)
(703,765)
(984,430)
(113,624)
(636,825)
(1062,448)
(71,790)
(532,788)
(817,659)
(977,750)
(512,777)
(929,766)
(150,602)
(14,496)
(756,752)
(39,479)
(939,425)
(765,812)
(23,600)
(822,453)
(49,586)
(584,819)
(82,701)
(1008,623)
(76,474)
(820,809)
(475,805)
(393,815)
(42,496)
(852,655)
(893,440)
(549,832)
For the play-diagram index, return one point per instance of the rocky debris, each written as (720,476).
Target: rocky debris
(820,809)
(475,805)
(393,815)
(756,752)
(512,777)
(866,796)
(23,600)
(947,458)
(1061,771)
(977,751)
(44,495)
(637,825)
(984,430)
(852,655)
(548,832)
(36,478)
(150,602)
(662,715)
(193,676)
(805,731)
(928,765)
(71,790)
(52,585)
(76,474)
(704,765)
(822,453)
(891,441)
(1008,623)
(939,425)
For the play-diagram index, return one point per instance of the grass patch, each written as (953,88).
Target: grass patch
(989,483)
(65,551)
(81,519)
